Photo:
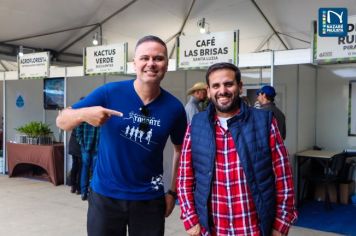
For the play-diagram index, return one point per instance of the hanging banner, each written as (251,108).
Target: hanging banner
(108,59)
(336,49)
(33,65)
(201,51)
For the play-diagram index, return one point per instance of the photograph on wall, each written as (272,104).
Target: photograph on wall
(53,93)
(352,109)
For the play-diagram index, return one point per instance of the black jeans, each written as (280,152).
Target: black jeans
(111,217)
(75,173)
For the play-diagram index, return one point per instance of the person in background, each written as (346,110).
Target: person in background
(75,151)
(136,118)
(234,176)
(265,97)
(245,100)
(197,95)
(88,138)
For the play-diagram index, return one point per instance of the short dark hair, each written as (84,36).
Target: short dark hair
(269,98)
(221,66)
(151,38)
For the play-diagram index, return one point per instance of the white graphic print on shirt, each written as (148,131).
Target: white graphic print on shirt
(141,137)
(157,182)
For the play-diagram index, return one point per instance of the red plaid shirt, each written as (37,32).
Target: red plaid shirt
(231,204)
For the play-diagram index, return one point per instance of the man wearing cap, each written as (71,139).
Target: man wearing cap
(265,96)
(197,94)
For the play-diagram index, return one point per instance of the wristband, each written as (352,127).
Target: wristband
(173,194)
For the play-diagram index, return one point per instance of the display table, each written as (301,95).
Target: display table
(49,157)
(301,158)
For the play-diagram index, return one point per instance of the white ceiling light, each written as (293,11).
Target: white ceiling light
(21,51)
(203,26)
(95,39)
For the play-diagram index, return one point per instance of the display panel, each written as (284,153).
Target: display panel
(53,93)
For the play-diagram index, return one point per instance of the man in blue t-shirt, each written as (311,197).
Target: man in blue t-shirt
(136,117)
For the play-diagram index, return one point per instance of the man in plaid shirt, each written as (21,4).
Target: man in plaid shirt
(88,138)
(234,176)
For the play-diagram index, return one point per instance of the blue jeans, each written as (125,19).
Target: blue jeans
(88,165)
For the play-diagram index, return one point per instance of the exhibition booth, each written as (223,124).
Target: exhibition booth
(316,99)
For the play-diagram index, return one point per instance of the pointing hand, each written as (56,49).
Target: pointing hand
(98,115)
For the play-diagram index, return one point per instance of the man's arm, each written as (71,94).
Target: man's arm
(176,154)
(185,186)
(170,199)
(286,213)
(69,118)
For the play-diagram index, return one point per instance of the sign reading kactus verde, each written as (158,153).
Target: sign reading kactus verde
(105,59)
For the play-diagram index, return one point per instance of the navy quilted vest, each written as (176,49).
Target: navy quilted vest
(250,130)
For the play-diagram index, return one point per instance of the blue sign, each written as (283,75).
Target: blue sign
(332,22)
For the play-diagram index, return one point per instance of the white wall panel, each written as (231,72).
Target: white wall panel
(306,107)
(32,92)
(75,71)
(293,57)
(11,75)
(255,59)
(285,82)
(332,111)
(55,71)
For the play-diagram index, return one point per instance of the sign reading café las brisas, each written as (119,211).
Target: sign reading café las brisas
(108,59)
(336,49)
(201,51)
(33,65)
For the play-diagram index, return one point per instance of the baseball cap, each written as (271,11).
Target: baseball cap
(268,90)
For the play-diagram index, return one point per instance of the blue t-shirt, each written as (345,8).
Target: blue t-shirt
(130,160)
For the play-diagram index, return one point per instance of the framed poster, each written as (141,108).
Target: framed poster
(53,93)
(352,109)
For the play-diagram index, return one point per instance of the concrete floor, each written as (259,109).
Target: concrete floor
(31,208)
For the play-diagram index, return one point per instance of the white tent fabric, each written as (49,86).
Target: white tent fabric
(290,19)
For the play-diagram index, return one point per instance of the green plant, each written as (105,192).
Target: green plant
(35,129)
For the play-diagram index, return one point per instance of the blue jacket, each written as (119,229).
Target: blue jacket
(250,130)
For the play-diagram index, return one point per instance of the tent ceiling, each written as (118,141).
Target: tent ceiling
(6,65)
(164,18)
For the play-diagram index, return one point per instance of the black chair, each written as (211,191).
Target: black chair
(330,174)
